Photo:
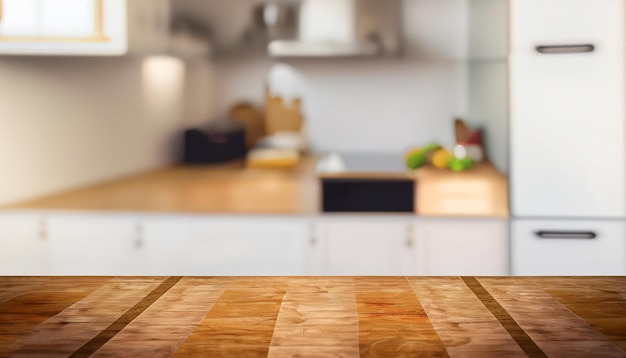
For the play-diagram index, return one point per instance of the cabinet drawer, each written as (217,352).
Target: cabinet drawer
(92,244)
(557,22)
(218,246)
(568,247)
(456,247)
(367,246)
(24,246)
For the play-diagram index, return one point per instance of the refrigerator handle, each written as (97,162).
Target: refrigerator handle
(560,49)
(545,234)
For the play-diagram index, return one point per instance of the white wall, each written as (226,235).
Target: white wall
(70,122)
(382,105)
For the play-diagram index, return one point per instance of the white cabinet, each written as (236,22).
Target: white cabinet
(567,88)
(92,244)
(463,247)
(210,245)
(367,245)
(24,245)
(57,243)
(567,142)
(555,22)
(568,247)
(83,27)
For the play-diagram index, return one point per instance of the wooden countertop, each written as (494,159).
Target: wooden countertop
(482,191)
(233,189)
(313,316)
(228,189)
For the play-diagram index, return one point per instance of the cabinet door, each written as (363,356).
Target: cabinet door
(24,245)
(224,246)
(367,247)
(92,244)
(568,247)
(567,136)
(463,247)
(557,22)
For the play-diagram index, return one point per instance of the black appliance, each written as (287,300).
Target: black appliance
(368,195)
(217,143)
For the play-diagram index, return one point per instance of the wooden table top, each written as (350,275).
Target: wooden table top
(313,316)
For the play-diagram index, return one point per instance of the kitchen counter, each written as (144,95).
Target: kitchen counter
(311,316)
(234,189)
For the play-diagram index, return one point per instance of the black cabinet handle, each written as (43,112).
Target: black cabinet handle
(566,234)
(559,49)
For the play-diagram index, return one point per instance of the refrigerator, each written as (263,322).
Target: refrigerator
(562,65)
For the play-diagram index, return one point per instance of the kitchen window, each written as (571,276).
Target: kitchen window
(52,21)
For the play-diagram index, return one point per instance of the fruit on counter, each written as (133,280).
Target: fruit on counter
(441,158)
(412,151)
(416,159)
(460,164)
(419,157)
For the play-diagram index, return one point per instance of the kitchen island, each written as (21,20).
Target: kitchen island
(313,316)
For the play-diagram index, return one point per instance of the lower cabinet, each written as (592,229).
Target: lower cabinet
(365,246)
(568,247)
(216,246)
(56,243)
(24,245)
(463,247)
(92,244)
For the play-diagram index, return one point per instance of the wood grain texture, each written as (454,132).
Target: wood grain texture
(313,316)
(392,322)
(555,329)
(67,331)
(465,325)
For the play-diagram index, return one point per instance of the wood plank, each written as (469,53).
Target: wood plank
(320,320)
(466,327)
(33,301)
(240,323)
(553,327)
(392,322)
(601,302)
(166,324)
(67,331)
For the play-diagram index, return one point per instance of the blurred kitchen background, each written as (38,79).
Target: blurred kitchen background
(312,137)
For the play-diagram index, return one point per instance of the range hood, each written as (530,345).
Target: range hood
(343,28)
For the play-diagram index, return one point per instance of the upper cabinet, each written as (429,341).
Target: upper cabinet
(551,26)
(83,27)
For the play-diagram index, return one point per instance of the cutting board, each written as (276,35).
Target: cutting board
(281,115)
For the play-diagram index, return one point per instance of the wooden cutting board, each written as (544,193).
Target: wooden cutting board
(251,118)
(282,116)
